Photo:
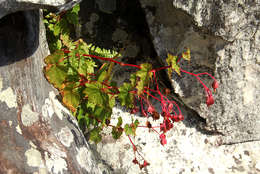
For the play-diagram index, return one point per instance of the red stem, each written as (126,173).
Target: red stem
(111,60)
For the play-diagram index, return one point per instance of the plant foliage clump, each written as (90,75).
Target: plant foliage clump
(84,78)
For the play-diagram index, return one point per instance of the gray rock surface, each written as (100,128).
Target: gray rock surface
(224,38)
(188,151)
(38,135)
(11,6)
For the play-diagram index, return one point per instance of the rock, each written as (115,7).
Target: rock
(7,6)
(187,150)
(116,25)
(224,40)
(38,135)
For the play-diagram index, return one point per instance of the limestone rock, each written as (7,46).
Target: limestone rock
(224,40)
(187,151)
(11,6)
(38,135)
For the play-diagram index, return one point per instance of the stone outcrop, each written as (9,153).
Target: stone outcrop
(38,135)
(11,6)
(224,40)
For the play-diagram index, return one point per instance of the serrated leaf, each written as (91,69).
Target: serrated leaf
(172,61)
(144,76)
(112,100)
(65,38)
(71,98)
(56,75)
(54,58)
(95,135)
(131,129)
(126,98)
(186,54)
(128,130)
(83,66)
(56,29)
(95,95)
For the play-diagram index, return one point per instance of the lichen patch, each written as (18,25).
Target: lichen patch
(28,116)
(84,158)
(8,97)
(33,158)
(55,161)
(65,136)
(47,109)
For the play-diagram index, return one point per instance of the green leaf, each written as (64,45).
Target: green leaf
(133,80)
(126,98)
(72,18)
(65,38)
(95,95)
(58,44)
(136,123)
(128,130)
(75,9)
(83,66)
(186,54)
(56,75)
(54,58)
(119,122)
(102,113)
(131,129)
(95,135)
(116,132)
(83,120)
(101,74)
(56,29)
(71,98)
(144,75)
(172,61)
(112,100)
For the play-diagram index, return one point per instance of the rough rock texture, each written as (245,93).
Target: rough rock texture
(11,6)
(188,151)
(38,135)
(224,38)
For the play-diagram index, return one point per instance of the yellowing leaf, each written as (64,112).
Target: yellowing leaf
(71,99)
(186,54)
(56,75)
(144,76)
(172,61)
(54,58)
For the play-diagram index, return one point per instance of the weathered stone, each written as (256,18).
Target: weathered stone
(187,150)
(224,40)
(11,6)
(38,135)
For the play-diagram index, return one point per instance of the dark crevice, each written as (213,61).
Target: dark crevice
(19,34)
